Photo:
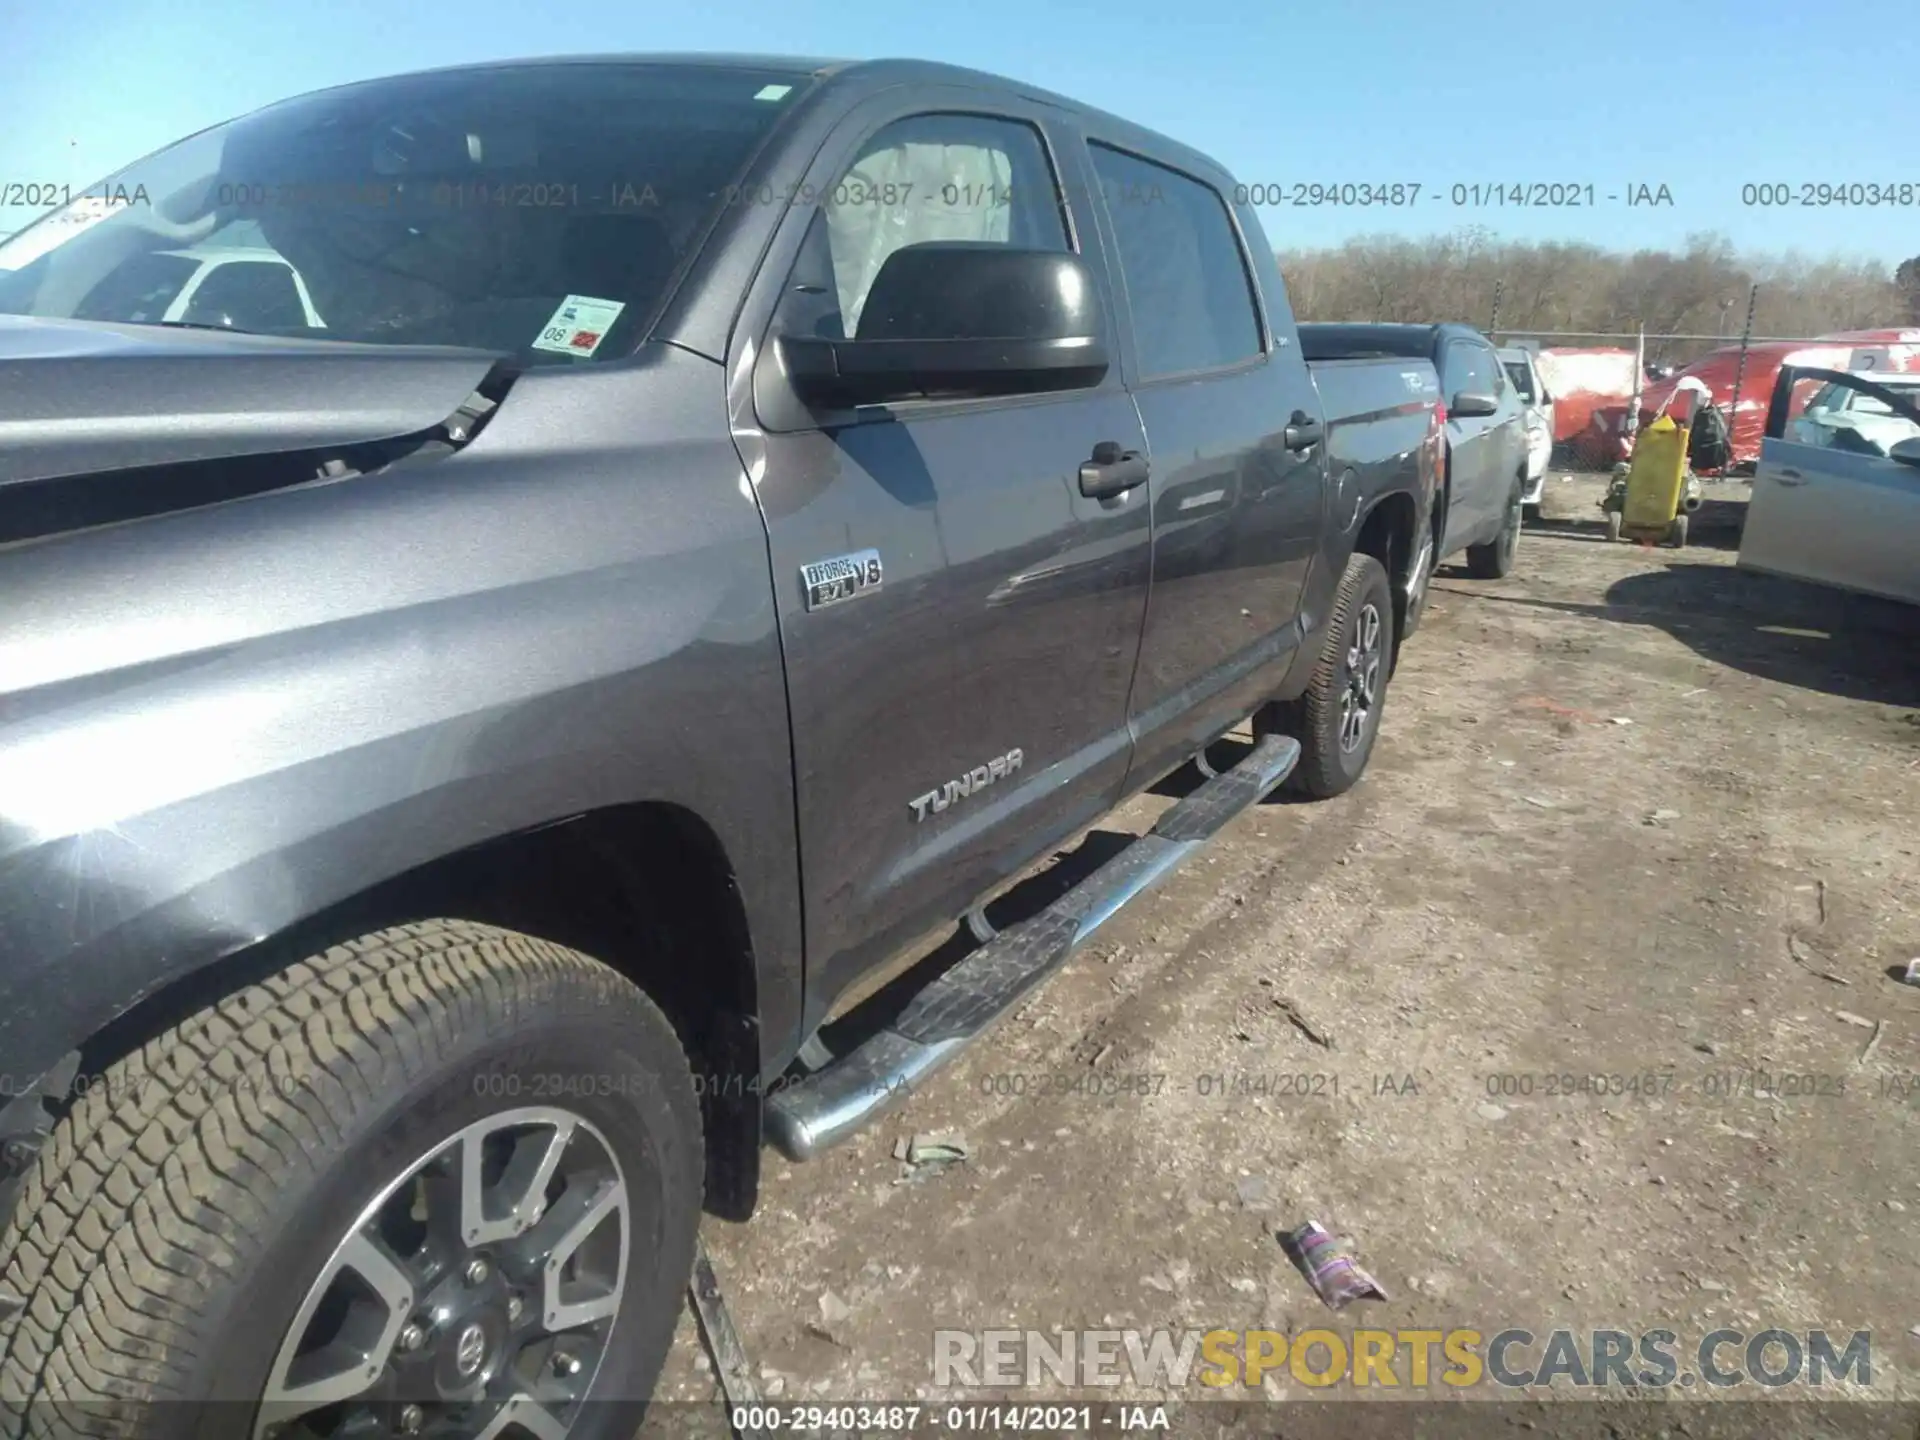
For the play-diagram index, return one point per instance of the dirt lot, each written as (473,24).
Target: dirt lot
(1634,814)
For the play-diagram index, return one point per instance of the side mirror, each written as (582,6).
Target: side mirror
(957,318)
(1907,451)
(1469,403)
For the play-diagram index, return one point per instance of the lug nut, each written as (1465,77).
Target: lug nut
(516,1307)
(477,1272)
(412,1337)
(412,1417)
(565,1363)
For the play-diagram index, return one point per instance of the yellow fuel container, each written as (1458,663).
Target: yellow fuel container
(1658,475)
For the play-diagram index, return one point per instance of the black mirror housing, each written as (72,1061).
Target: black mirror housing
(951,319)
(1469,403)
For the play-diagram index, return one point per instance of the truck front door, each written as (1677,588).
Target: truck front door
(964,707)
(1477,477)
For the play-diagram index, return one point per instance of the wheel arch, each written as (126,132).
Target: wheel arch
(1388,532)
(646,888)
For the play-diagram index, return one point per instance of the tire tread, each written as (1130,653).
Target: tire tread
(1314,718)
(147,1195)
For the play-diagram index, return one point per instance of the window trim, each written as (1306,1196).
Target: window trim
(1262,326)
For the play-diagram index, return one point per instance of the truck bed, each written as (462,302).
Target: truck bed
(1377,410)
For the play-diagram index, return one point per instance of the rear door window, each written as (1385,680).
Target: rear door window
(1186,275)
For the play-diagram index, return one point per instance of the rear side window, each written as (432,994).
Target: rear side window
(1517,373)
(1187,281)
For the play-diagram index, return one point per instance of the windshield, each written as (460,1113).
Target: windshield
(538,209)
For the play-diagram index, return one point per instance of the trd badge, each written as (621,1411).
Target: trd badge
(844,577)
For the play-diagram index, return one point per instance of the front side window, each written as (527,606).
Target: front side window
(1469,370)
(925,178)
(1840,416)
(539,209)
(1187,281)
(1517,373)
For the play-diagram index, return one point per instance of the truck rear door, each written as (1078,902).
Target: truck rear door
(959,701)
(1235,434)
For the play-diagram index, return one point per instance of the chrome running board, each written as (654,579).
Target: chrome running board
(962,1004)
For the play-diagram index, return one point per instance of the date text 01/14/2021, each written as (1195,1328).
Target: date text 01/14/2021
(773,1418)
(1405,194)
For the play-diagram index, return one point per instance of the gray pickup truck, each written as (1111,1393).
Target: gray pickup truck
(1485,487)
(471,728)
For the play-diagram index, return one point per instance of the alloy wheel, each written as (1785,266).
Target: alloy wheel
(474,1296)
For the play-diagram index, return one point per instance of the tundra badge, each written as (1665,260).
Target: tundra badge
(974,780)
(844,577)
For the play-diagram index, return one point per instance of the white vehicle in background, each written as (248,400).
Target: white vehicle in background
(1519,363)
(241,287)
(1839,417)
(1831,502)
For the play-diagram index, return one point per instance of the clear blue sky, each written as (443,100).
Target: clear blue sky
(1701,96)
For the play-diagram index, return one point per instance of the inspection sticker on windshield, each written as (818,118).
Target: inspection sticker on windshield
(579,325)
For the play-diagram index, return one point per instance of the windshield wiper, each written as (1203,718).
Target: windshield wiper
(193,325)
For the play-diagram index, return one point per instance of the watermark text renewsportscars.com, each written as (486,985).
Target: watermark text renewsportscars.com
(1222,1362)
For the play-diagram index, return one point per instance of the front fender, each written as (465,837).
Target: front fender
(217,723)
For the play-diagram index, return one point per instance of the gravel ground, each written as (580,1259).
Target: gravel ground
(1633,814)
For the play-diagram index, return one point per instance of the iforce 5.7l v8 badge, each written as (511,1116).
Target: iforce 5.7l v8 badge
(844,577)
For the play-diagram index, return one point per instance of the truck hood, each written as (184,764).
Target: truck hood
(78,397)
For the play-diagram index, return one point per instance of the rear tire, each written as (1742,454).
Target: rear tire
(1614,523)
(1352,674)
(1677,533)
(1494,560)
(230,1191)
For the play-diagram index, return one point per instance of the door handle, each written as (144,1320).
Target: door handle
(1303,431)
(1111,471)
(1790,477)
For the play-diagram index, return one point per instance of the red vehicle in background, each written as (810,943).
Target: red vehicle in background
(1592,389)
(1897,351)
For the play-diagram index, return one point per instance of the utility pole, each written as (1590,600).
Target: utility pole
(1740,367)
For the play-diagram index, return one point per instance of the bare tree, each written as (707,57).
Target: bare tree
(1699,289)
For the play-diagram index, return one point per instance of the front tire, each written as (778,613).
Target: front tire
(1338,718)
(444,1166)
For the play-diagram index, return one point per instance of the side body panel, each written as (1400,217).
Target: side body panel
(218,722)
(1485,452)
(1835,517)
